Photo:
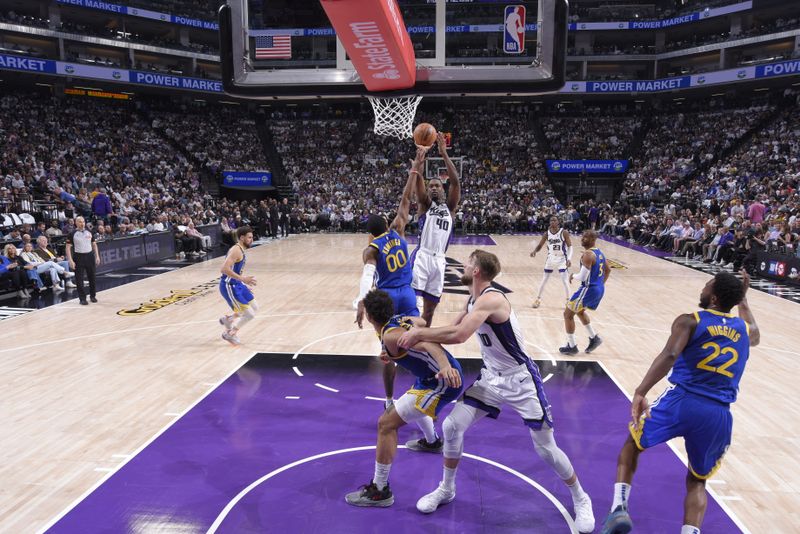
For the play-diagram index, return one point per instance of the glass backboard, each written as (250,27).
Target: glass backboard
(289,49)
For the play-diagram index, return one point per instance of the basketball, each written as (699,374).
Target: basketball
(424,135)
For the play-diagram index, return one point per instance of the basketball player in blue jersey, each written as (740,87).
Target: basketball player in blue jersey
(439,381)
(703,360)
(437,217)
(593,275)
(508,376)
(233,285)
(387,255)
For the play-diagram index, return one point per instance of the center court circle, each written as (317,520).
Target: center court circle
(312,500)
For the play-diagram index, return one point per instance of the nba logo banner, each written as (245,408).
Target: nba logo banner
(514,30)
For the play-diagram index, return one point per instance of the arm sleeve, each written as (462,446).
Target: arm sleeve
(569,253)
(367,277)
(584,274)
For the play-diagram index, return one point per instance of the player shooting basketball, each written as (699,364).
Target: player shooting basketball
(437,214)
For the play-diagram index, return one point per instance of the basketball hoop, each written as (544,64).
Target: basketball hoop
(395,116)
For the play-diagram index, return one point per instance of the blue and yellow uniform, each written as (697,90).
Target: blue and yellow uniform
(395,272)
(589,295)
(705,381)
(432,394)
(235,293)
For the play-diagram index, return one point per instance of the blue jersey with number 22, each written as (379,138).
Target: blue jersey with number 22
(713,361)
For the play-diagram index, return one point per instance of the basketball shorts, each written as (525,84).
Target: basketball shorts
(428,279)
(426,398)
(555,263)
(520,387)
(236,294)
(404,299)
(586,298)
(705,424)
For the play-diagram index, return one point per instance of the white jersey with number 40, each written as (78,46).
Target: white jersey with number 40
(436,229)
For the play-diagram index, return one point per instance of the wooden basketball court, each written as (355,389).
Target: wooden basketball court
(86,387)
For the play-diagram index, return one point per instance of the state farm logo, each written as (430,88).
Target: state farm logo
(391,74)
(372,45)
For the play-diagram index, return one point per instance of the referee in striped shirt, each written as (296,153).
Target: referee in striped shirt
(83,257)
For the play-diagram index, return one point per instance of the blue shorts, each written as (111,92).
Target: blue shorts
(586,298)
(236,294)
(705,424)
(405,300)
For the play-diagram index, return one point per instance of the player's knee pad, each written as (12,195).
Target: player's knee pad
(545,445)
(453,428)
(453,438)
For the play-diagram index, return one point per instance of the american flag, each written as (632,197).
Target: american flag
(274,47)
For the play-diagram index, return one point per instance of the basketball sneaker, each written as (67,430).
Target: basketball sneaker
(537,302)
(226,321)
(370,495)
(231,338)
(427,504)
(584,517)
(422,445)
(617,522)
(567,349)
(594,342)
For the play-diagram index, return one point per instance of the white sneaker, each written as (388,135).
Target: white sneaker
(57,288)
(231,338)
(68,274)
(430,502)
(226,321)
(584,517)
(70,284)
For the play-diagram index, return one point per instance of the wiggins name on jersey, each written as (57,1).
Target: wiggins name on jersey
(713,361)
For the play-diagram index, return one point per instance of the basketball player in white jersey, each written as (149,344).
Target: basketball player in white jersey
(559,256)
(508,376)
(437,216)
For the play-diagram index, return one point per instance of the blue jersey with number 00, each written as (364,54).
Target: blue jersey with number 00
(394,269)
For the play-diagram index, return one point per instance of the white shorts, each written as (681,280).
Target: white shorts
(428,277)
(520,387)
(555,263)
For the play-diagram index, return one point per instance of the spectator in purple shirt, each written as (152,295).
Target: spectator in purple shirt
(101,205)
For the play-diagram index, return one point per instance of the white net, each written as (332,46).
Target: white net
(395,116)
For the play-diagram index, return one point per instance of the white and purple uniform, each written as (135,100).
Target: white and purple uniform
(508,376)
(436,227)
(556,252)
